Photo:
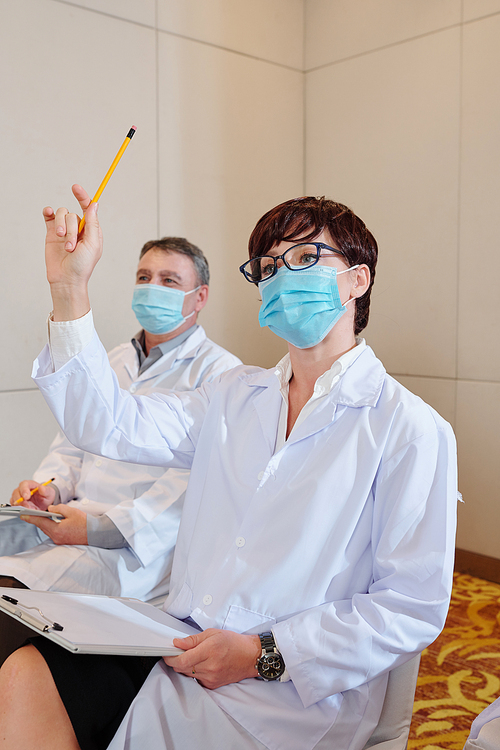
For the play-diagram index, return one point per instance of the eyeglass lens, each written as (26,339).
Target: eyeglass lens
(297,257)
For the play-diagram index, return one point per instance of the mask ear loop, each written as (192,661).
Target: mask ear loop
(352,268)
(195,289)
(339,273)
(185,294)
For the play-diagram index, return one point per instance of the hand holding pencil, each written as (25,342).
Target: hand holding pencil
(34,494)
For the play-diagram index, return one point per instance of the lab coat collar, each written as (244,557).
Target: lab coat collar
(360,385)
(363,385)
(187,350)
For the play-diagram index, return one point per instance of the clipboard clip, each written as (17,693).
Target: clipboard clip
(46,628)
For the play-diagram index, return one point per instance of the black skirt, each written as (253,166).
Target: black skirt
(96,690)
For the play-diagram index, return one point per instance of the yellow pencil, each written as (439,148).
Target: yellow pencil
(44,484)
(110,171)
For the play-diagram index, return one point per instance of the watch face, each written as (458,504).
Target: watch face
(271,666)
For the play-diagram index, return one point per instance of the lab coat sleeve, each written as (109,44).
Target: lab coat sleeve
(342,644)
(98,417)
(150,523)
(64,463)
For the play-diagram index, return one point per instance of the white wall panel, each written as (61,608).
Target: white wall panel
(336,29)
(268,29)
(77,81)
(479,309)
(231,140)
(480,8)
(382,135)
(478,416)
(139,11)
(30,430)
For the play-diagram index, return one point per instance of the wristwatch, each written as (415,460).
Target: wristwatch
(270,665)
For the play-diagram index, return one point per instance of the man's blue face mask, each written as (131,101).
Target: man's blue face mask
(302,306)
(158,308)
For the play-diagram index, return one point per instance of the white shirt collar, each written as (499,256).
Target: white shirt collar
(328,379)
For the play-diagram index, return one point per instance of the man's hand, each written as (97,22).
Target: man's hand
(216,657)
(72,530)
(70,258)
(41,499)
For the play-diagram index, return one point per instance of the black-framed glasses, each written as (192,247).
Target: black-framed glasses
(296,258)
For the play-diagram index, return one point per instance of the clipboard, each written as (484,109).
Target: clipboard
(20,510)
(93,624)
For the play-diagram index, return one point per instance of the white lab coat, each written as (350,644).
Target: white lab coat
(144,502)
(342,541)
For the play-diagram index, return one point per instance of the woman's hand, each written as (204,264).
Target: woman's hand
(70,258)
(216,657)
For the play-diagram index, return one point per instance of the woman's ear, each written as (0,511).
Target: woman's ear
(361,280)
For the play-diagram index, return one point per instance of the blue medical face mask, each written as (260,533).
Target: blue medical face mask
(159,308)
(302,306)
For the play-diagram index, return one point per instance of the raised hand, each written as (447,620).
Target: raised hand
(70,258)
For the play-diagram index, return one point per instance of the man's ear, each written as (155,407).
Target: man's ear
(201,297)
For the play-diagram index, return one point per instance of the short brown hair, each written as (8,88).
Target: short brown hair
(305,218)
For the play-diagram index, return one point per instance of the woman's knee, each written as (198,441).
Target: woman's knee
(25,672)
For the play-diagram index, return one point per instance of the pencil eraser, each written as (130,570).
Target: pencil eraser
(131,131)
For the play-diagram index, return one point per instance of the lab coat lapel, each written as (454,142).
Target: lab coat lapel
(131,363)
(322,416)
(187,350)
(360,385)
(266,400)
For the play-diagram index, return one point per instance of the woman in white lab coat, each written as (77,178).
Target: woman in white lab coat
(319,519)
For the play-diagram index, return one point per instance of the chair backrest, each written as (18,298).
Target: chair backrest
(391,732)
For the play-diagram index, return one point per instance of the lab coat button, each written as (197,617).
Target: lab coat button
(260,475)
(98,462)
(207,599)
(133,388)
(85,501)
(240,542)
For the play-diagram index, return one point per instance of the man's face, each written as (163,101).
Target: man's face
(174,271)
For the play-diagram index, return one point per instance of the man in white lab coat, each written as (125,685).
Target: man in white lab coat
(316,544)
(121,519)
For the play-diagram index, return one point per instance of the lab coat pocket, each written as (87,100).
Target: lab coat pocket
(242,620)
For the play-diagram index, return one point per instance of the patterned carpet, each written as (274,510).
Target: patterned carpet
(460,672)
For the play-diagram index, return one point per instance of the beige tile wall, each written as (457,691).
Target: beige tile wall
(400,107)
(338,29)
(386,142)
(216,92)
(231,135)
(265,29)
(402,123)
